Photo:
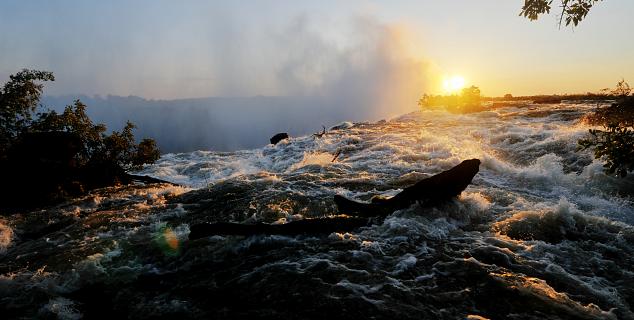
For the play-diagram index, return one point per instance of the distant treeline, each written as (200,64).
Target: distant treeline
(470,100)
(554,98)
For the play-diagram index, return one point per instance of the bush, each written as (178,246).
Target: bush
(19,100)
(615,143)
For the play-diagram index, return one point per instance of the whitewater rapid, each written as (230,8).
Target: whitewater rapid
(541,232)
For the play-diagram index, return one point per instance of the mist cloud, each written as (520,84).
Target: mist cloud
(291,77)
(373,73)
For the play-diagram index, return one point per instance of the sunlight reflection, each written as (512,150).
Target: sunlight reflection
(167,241)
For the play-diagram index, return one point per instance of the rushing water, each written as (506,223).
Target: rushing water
(542,232)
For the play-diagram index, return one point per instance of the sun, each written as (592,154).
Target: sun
(453,84)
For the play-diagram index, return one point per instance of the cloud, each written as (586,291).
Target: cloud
(369,67)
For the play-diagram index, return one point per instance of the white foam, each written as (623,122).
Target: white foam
(63,308)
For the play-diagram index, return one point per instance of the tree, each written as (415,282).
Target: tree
(47,157)
(470,95)
(572,11)
(469,100)
(615,143)
(19,99)
(622,89)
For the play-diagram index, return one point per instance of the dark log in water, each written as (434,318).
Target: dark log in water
(308,226)
(428,192)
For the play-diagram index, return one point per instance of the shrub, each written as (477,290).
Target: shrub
(615,143)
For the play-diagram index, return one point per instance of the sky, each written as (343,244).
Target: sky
(391,51)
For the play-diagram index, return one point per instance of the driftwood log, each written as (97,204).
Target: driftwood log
(427,192)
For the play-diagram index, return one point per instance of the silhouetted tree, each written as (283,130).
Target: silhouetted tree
(572,11)
(622,89)
(470,95)
(19,98)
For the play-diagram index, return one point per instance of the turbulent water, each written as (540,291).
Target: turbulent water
(541,232)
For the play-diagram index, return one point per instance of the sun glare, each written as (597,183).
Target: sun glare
(453,84)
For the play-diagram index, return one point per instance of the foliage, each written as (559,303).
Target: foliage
(572,11)
(615,143)
(470,95)
(119,148)
(18,100)
(622,89)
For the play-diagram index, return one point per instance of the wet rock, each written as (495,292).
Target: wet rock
(279,137)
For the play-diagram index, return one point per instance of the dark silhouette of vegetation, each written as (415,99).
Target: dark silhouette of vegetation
(46,156)
(572,11)
(469,100)
(118,147)
(19,99)
(615,143)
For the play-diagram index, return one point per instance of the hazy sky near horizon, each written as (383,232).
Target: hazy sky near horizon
(164,49)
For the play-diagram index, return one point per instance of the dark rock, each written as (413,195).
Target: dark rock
(279,137)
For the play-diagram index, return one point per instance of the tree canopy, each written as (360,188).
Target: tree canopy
(469,100)
(19,101)
(19,98)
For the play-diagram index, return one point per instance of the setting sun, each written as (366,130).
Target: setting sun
(453,84)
